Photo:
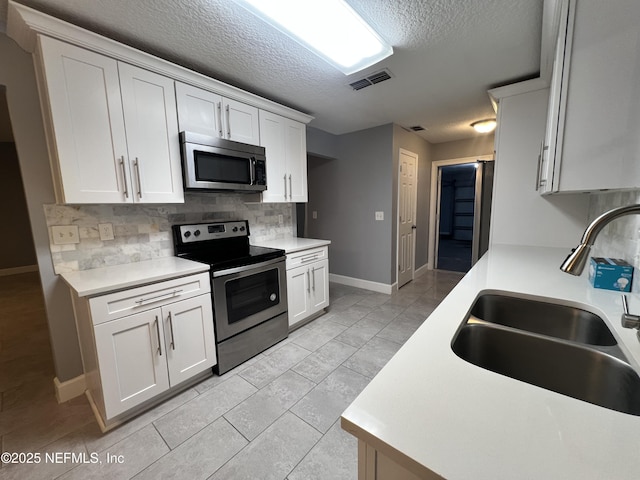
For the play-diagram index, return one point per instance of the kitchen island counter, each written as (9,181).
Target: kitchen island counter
(437,415)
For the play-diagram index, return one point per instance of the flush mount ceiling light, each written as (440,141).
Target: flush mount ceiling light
(484,126)
(329,28)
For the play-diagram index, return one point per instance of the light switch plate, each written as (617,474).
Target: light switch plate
(106,231)
(379,216)
(280,220)
(314,215)
(65,234)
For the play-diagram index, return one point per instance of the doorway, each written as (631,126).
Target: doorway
(460,212)
(407,195)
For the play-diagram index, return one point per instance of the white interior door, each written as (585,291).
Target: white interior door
(407,192)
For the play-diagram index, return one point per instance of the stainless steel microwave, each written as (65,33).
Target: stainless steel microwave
(212,163)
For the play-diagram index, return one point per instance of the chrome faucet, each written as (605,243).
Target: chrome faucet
(577,259)
(629,320)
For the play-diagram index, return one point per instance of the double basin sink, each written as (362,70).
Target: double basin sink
(560,348)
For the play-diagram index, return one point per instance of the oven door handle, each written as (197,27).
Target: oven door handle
(229,271)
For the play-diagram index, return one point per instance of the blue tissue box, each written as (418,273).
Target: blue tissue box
(610,274)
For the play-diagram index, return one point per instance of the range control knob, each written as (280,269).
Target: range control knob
(242,229)
(235,229)
(187,234)
(197,233)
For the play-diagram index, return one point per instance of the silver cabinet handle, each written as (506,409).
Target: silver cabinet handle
(124,177)
(220,119)
(285,186)
(313,277)
(253,170)
(158,333)
(539,169)
(290,188)
(228,123)
(136,164)
(173,341)
(145,300)
(309,258)
(308,282)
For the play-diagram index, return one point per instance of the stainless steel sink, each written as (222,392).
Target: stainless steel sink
(559,321)
(567,368)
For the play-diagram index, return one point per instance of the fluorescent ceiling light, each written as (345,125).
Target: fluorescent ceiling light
(329,28)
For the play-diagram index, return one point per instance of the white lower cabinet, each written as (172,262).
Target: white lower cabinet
(307,284)
(163,336)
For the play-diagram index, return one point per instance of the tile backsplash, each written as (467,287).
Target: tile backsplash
(621,238)
(143,232)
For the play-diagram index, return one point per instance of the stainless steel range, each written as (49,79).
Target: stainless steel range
(248,288)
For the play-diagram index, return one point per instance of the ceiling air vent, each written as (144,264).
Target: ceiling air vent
(372,79)
(417,128)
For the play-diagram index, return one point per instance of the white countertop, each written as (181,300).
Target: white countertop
(293,244)
(433,412)
(89,283)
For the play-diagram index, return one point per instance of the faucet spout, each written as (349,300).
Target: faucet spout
(577,259)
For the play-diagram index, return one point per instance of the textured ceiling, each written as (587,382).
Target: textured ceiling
(447,53)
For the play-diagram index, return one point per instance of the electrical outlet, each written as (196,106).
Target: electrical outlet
(65,234)
(379,216)
(314,215)
(106,231)
(280,220)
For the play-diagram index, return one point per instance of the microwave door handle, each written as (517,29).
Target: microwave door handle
(252,169)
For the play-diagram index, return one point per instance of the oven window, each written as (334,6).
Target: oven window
(212,167)
(252,294)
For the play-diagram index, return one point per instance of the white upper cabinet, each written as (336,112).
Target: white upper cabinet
(152,135)
(598,113)
(102,152)
(240,122)
(286,151)
(85,128)
(207,113)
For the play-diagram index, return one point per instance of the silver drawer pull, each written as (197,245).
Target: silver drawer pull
(308,282)
(313,277)
(310,258)
(170,294)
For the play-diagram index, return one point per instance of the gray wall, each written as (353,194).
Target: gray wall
(413,143)
(346,191)
(18,76)
(351,177)
(470,147)
(16,250)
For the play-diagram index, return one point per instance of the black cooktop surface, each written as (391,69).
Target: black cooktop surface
(221,258)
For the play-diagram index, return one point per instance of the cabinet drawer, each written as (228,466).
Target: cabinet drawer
(119,304)
(306,256)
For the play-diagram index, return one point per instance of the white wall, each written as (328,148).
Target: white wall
(17,74)
(520,215)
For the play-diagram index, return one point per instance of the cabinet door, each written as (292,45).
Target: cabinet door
(85,120)
(296,158)
(600,141)
(548,168)
(298,294)
(319,285)
(189,337)
(199,111)
(240,122)
(132,360)
(273,139)
(152,135)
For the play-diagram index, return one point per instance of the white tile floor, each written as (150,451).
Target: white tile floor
(276,416)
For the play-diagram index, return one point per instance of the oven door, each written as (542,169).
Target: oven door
(247,296)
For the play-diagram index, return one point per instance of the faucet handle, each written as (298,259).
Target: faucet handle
(629,320)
